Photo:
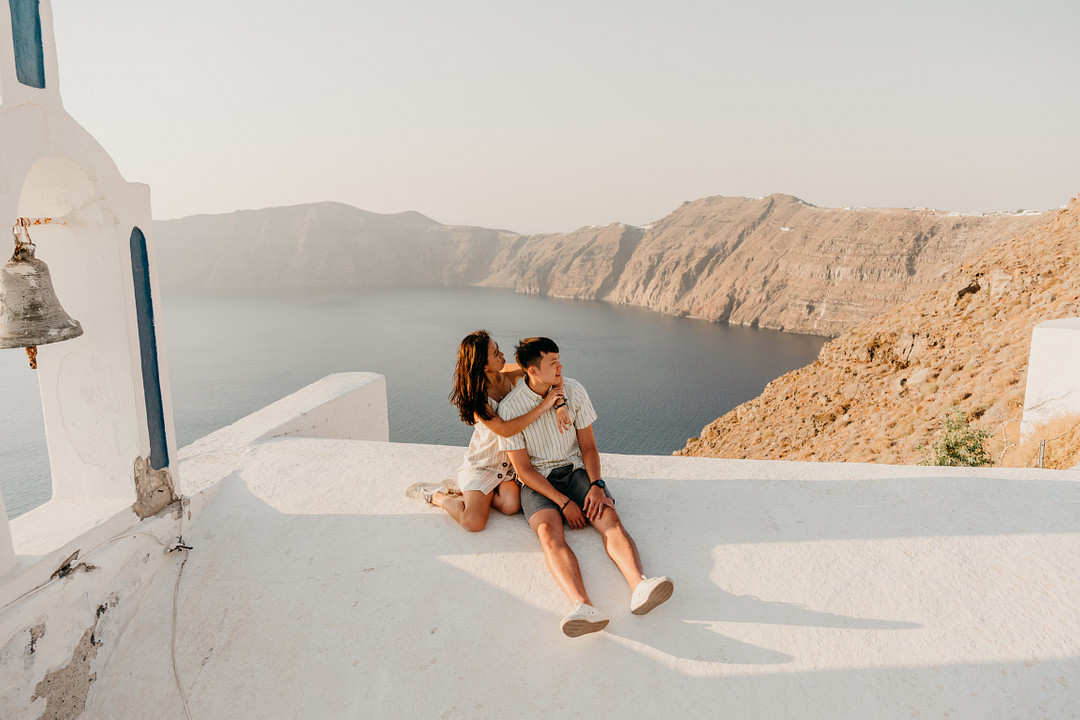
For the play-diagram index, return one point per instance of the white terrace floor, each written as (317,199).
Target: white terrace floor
(315,589)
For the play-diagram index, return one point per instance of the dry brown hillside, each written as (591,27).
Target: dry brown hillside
(880,390)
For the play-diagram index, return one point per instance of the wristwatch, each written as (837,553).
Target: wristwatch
(598,483)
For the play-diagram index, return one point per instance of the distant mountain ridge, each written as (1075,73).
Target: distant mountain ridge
(774,262)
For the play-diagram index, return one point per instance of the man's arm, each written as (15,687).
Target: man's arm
(590,455)
(596,500)
(529,476)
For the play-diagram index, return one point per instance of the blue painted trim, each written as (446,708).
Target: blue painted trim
(144,309)
(26,32)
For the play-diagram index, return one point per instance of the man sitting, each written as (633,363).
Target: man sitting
(560,477)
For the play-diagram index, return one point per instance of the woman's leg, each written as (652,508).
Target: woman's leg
(470,510)
(507,498)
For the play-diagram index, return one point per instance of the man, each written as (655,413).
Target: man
(560,477)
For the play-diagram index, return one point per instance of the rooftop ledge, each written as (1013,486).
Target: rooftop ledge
(316,589)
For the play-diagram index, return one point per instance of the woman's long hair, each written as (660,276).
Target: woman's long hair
(470,382)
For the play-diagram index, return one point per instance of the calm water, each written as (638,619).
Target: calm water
(655,380)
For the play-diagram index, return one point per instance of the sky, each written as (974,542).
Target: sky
(546,117)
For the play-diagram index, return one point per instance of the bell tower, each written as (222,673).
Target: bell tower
(104,393)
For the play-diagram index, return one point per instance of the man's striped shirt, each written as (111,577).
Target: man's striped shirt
(548,448)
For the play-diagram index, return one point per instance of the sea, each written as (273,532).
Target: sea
(655,380)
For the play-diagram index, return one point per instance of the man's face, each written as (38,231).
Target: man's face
(549,371)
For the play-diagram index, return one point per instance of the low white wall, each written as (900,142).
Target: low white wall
(1053,381)
(7,548)
(344,406)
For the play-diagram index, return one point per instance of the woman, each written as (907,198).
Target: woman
(481,380)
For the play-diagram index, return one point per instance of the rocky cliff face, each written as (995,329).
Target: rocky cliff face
(881,389)
(780,263)
(773,262)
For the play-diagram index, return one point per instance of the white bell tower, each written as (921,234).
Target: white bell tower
(105,394)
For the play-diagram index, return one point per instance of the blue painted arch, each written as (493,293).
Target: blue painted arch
(151,376)
(26,34)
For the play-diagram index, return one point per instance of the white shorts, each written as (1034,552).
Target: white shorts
(484,479)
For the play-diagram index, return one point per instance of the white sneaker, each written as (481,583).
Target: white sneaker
(424,491)
(582,620)
(649,593)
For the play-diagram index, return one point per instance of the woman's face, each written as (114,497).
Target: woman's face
(495,359)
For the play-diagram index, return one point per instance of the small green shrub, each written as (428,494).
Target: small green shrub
(958,443)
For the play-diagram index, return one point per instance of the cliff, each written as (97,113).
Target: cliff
(880,390)
(773,262)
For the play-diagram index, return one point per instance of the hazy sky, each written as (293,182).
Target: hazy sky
(546,116)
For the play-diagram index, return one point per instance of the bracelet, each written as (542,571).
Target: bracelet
(564,505)
(561,404)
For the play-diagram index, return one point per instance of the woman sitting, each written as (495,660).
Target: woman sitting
(481,380)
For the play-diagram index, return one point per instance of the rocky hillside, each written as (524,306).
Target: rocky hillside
(881,389)
(773,262)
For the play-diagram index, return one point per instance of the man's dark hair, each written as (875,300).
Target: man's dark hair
(529,350)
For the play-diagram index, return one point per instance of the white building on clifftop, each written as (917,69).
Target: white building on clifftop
(307,586)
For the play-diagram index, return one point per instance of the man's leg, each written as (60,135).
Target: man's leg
(620,546)
(547,522)
(646,593)
(561,561)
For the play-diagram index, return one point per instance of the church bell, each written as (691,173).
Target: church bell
(30,313)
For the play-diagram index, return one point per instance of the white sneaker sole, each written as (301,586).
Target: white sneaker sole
(579,627)
(660,594)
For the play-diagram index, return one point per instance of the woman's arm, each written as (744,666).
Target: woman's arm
(510,428)
(515,371)
(562,415)
(512,371)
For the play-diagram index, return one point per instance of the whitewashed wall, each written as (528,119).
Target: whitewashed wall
(91,387)
(1053,381)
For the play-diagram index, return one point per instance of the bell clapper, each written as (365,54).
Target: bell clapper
(31,352)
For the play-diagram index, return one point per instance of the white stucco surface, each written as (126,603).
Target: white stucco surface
(316,589)
(1053,384)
